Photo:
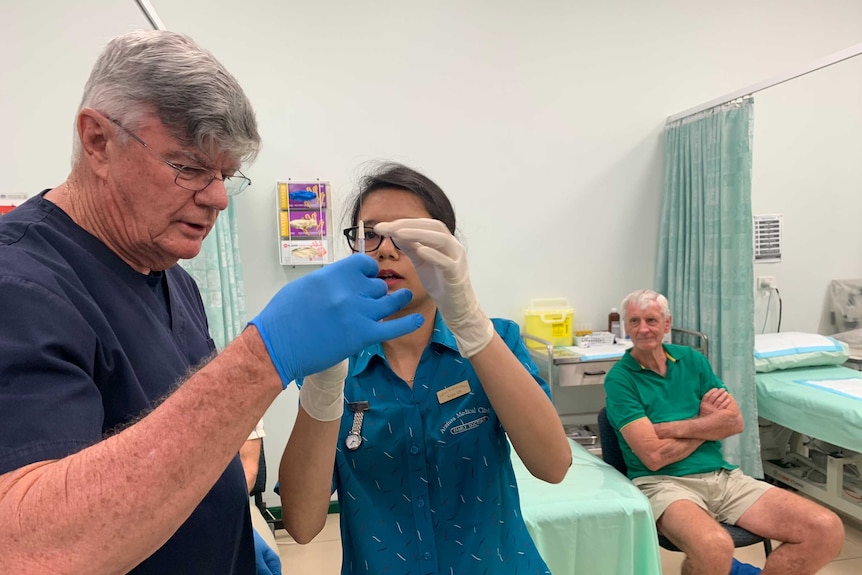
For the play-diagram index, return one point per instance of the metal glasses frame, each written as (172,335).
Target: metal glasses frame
(186,175)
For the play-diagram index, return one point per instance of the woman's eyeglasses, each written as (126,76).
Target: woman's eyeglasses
(372,239)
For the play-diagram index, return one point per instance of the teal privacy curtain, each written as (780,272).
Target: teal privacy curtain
(218,273)
(705,255)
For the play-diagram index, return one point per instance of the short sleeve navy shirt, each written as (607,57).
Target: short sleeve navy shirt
(86,347)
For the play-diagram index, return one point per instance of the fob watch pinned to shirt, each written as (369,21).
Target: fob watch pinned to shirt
(354,438)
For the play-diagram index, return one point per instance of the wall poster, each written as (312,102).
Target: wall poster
(303,223)
(9,201)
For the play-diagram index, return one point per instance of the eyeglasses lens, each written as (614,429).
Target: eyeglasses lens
(372,240)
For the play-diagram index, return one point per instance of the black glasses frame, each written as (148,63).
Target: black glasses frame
(373,240)
(234,184)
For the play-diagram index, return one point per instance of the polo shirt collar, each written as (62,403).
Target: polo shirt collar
(631,363)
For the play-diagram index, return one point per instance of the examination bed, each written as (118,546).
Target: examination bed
(811,432)
(594,521)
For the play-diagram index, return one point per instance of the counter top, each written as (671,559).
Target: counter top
(572,354)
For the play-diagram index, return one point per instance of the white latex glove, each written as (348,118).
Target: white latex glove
(441,264)
(322,393)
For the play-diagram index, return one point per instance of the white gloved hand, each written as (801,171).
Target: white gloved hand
(441,264)
(322,393)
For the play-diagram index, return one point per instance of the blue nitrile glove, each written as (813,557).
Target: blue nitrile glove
(266,560)
(740,568)
(316,321)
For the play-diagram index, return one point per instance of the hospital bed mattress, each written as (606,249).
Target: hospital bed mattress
(801,399)
(594,522)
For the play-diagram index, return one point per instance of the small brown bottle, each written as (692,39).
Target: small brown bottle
(614,323)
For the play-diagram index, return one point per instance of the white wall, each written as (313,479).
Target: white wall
(808,167)
(541,120)
(48,51)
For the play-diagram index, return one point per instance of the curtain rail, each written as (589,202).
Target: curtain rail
(846,54)
(150,14)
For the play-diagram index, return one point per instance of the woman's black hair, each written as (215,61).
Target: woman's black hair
(391,175)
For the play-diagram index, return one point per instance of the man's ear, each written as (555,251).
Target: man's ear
(668,324)
(94,133)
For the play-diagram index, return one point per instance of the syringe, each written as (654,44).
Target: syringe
(360,242)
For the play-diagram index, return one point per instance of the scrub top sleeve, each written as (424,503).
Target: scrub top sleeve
(50,406)
(258,432)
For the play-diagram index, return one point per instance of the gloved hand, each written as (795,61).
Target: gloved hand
(322,394)
(266,560)
(740,568)
(441,264)
(314,322)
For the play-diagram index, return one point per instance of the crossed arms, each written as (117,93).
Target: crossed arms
(660,444)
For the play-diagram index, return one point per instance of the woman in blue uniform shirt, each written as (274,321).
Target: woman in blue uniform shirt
(421,461)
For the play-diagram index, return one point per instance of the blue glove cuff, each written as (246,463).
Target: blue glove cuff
(267,561)
(286,378)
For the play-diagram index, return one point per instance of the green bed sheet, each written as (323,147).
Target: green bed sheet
(820,413)
(596,522)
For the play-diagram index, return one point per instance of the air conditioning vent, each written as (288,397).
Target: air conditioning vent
(767,239)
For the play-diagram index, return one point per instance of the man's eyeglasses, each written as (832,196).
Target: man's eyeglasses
(372,239)
(195,178)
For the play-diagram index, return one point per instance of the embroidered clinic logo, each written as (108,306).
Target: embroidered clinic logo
(466,425)
(469,425)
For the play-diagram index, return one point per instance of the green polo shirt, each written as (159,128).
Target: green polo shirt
(634,391)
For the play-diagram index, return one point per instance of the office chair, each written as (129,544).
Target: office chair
(612,454)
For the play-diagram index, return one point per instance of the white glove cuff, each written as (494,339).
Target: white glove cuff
(321,404)
(473,335)
(322,394)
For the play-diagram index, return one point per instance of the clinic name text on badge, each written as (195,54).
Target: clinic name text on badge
(466,425)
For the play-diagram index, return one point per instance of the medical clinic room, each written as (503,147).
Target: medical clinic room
(637,351)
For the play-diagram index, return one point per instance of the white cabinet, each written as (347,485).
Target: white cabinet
(577,389)
(583,373)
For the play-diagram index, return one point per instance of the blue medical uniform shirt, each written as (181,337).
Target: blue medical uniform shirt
(431,488)
(86,347)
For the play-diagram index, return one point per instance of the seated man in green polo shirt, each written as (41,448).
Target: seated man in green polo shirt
(670,413)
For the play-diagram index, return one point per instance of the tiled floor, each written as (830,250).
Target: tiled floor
(323,555)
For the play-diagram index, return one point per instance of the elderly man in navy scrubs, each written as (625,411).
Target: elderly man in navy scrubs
(119,429)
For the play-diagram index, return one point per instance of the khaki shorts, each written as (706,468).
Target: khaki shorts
(725,495)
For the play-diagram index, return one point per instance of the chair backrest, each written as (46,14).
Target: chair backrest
(260,481)
(611,451)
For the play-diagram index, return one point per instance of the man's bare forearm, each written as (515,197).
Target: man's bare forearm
(715,426)
(671,451)
(154,472)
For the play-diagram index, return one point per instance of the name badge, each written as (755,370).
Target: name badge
(453,392)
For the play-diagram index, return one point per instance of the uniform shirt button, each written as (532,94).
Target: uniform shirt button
(426,556)
(420,503)
(414,449)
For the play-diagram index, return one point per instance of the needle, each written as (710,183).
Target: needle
(361,235)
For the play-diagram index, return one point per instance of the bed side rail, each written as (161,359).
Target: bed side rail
(691,338)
